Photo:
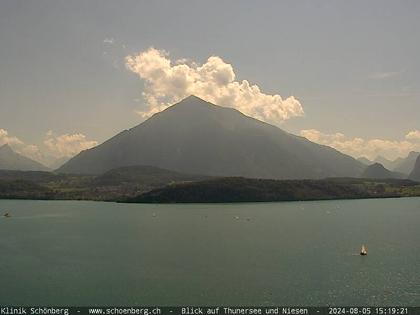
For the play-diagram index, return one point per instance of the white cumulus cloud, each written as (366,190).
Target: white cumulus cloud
(358,147)
(6,138)
(413,135)
(167,82)
(66,145)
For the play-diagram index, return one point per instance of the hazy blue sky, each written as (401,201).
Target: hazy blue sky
(353,65)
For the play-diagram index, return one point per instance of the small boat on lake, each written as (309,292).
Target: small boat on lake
(7,215)
(363,251)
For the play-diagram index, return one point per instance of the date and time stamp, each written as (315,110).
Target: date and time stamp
(370,311)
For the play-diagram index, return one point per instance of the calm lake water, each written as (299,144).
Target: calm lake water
(290,253)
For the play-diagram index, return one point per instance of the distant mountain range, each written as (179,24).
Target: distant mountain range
(378,171)
(389,164)
(399,165)
(415,173)
(198,137)
(365,160)
(406,165)
(11,160)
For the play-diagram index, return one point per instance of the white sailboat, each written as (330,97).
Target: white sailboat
(363,251)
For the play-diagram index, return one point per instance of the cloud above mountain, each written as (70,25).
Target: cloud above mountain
(67,145)
(369,148)
(167,82)
(54,146)
(413,135)
(6,138)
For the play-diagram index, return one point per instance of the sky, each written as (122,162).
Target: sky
(341,73)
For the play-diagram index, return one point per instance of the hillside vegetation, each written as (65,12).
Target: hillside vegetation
(148,184)
(258,190)
(115,184)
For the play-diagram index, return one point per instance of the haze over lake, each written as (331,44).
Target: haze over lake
(290,253)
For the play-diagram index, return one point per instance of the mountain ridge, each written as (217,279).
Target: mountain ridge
(378,171)
(11,160)
(197,137)
(415,173)
(406,164)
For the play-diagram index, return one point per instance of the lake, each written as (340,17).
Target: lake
(287,253)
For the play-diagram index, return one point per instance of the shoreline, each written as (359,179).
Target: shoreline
(209,203)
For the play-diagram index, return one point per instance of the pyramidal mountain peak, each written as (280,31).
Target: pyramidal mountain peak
(195,103)
(198,137)
(192,99)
